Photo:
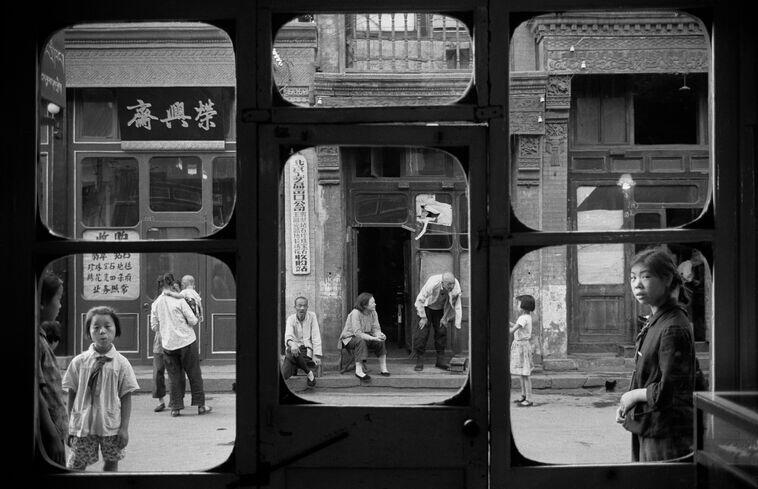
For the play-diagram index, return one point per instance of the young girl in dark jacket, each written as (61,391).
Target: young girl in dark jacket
(657,409)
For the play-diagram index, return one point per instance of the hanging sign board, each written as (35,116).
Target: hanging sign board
(52,82)
(300,227)
(171,113)
(110,276)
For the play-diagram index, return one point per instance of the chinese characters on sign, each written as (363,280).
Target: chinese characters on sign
(173,113)
(111,276)
(52,83)
(301,252)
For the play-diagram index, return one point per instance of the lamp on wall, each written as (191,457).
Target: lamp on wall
(626,181)
(50,119)
(53,109)
(684,87)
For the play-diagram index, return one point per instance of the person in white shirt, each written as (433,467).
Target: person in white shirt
(302,342)
(174,319)
(437,305)
(100,382)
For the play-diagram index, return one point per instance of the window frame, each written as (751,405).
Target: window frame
(732,130)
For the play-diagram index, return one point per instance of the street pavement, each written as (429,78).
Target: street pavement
(563,427)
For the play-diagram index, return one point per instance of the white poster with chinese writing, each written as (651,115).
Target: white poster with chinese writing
(300,227)
(111,276)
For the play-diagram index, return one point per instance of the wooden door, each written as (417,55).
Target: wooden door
(600,313)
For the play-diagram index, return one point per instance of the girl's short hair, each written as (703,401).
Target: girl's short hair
(527,302)
(102,311)
(362,301)
(661,263)
(50,285)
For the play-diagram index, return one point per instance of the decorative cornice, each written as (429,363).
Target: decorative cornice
(616,24)
(172,145)
(150,67)
(395,85)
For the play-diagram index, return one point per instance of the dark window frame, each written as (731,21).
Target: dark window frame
(507,239)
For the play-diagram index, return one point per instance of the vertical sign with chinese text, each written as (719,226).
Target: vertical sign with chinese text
(110,276)
(52,71)
(301,250)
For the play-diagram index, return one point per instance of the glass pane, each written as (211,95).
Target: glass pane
(97,119)
(381,208)
(370,60)
(609,105)
(224,178)
(176,184)
(162,121)
(109,192)
(347,235)
(122,290)
(434,214)
(575,351)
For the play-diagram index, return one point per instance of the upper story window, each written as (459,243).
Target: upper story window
(370,60)
(604,112)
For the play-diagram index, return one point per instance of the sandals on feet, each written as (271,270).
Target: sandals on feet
(519,401)
(160,407)
(365,378)
(204,410)
(526,403)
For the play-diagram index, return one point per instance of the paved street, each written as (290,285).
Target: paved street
(158,442)
(571,426)
(566,426)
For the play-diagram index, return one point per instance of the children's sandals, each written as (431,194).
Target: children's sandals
(525,403)
(519,401)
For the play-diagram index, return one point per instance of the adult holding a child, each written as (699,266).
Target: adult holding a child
(173,318)
(658,408)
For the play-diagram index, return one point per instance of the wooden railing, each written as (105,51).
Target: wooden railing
(406,42)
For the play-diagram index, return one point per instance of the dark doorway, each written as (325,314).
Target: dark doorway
(382,272)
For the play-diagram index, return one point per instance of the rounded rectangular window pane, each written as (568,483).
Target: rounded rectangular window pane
(224,178)
(611,106)
(371,60)
(143,319)
(575,349)
(355,238)
(176,184)
(162,122)
(109,190)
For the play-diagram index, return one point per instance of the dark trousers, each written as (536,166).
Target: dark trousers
(292,363)
(421,335)
(159,375)
(360,348)
(178,362)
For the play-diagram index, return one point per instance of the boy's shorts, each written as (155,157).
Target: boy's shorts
(84,450)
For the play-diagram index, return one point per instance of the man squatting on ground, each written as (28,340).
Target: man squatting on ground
(302,342)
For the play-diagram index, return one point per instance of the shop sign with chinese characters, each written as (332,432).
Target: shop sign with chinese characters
(110,276)
(171,113)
